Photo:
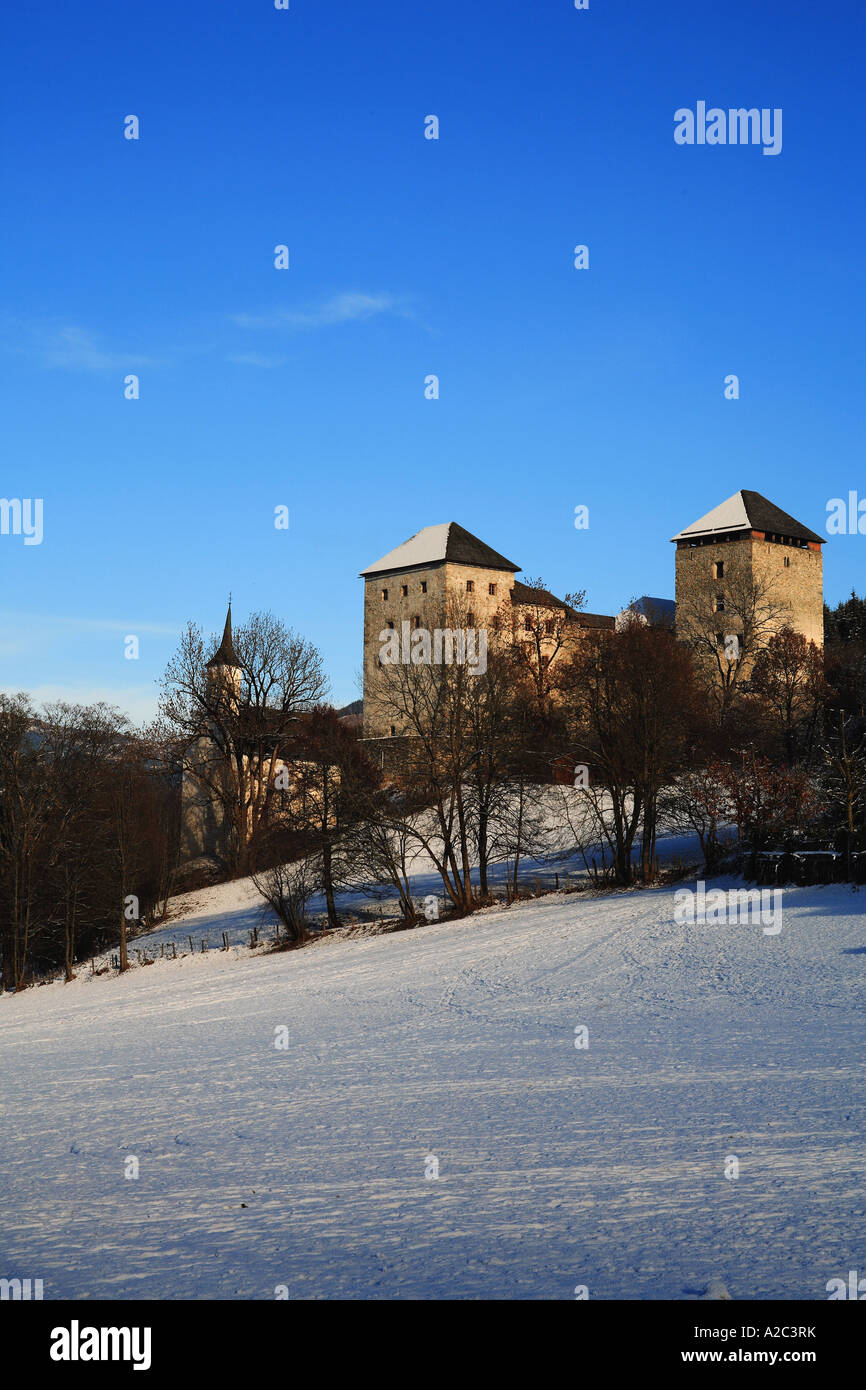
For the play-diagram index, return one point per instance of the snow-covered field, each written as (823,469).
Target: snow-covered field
(558,1166)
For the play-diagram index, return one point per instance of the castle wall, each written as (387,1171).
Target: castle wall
(446,593)
(799,584)
(793,573)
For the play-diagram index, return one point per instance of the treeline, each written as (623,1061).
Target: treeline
(564,744)
(88,835)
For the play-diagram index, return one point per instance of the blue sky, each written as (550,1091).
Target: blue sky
(305,387)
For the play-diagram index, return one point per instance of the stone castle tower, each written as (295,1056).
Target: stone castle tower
(748,541)
(438,568)
(442,570)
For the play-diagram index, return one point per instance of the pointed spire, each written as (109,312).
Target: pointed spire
(225,654)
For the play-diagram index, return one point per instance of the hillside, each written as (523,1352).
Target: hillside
(305,1167)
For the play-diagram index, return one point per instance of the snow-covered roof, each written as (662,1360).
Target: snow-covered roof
(435,544)
(747,511)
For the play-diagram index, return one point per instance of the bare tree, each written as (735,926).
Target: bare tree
(383,845)
(325,777)
(287,890)
(232,726)
(25,818)
(634,707)
(429,701)
(726,641)
(788,677)
(538,629)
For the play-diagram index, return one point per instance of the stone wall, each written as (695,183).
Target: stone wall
(446,593)
(793,575)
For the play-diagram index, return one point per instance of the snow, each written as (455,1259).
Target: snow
(730,515)
(426,547)
(558,1167)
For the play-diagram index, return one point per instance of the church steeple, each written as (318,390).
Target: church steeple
(225,654)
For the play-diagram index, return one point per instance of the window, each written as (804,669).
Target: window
(719,569)
(470,586)
(393,730)
(720,639)
(720,603)
(384,595)
(423,586)
(416,621)
(549,625)
(491,588)
(404,590)
(390,625)
(470,619)
(787,561)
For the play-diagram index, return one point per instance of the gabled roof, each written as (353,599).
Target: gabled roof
(436,544)
(225,654)
(748,511)
(530,596)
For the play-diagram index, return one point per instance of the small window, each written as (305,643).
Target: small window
(527,622)
(491,588)
(404,590)
(470,586)
(390,625)
(787,561)
(470,619)
(720,603)
(393,730)
(549,625)
(423,586)
(720,639)
(384,595)
(416,621)
(719,569)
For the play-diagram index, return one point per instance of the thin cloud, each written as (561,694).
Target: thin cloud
(257,359)
(341,308)
(28,632)
(66,347)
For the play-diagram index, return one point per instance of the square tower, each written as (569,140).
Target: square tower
(440,569)
(748,548)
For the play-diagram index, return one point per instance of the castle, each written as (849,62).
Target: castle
(441,571)
(744,546)
(745,550)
